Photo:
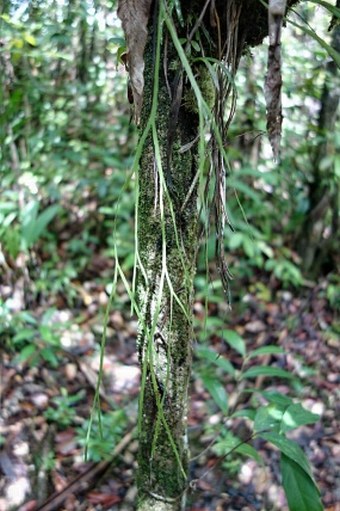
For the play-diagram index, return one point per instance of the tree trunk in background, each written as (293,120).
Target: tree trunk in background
(316,248)
(165,341)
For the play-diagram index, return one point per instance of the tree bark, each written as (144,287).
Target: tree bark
(167,237)
(324,195)
(167,241)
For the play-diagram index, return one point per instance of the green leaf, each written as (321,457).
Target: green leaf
(276,372)
(48,355)
(196,46)
(120,52)
(9,219)
(295,415)
(29,216)
(215,358)
(248,413)
(235,341)
(301,492)
(290,449)
(331,51)
(249,450)
(268,418)
(240,186)
(26,334)
(26,316)
(48,335)
(282,415)
(27,352)
(277,398)
(213,322)
(33,224)
(331,8)
(217,392)
(235,240)
(119,41)
(266,350)
(30,39)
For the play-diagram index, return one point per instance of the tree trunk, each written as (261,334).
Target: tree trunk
(167,241)
(167,226)
(324,197)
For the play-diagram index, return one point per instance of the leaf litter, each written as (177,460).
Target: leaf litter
(41,454)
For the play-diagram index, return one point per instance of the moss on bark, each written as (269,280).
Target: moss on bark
(165,284)
(166,356)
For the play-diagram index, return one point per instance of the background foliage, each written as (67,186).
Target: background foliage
(67,196)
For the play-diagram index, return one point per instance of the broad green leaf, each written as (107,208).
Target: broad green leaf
(267,250)
(283,415)
(235,240)
(248,413)
(48,355)
(34,227)
(26,334)
(215,358)
(30,39)
(295,415)
(217,392)
(266,350)
(48,335)
(6,207)
(268,418)
(276,372)
(301,492)
(9,219)
(235,341)
(196,46)
(26,316)
(249,247)
(213,321)
(277,398)
(118,41)
(28,219)
(290,449)
(29,212)
(27,352)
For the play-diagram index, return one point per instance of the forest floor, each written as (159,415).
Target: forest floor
(47,390)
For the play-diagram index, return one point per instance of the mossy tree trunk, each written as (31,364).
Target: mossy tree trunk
(167,242)
(167,236)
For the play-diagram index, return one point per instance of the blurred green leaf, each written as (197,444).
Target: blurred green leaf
(276,372)
(248,413)
(235,341)
(301,492)
(268,418)
(33,224)
(211,356)
(217,391)
(266,350)
(250,451)
(295,415)
(290,449)
(27,352)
